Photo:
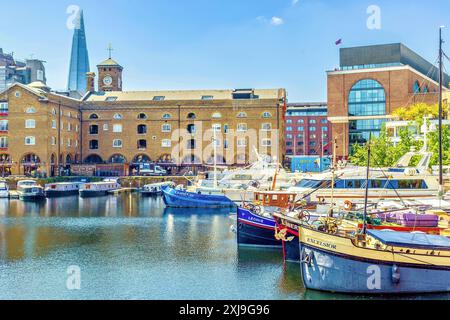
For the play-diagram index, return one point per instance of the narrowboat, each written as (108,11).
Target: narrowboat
(62,189)
(154,189)
(175,198)
(97,189)
(29,190)
(4,189)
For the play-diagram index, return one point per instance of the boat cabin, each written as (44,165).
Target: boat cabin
(274,199)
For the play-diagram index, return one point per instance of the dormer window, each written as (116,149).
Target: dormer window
(118,116)
(159,98)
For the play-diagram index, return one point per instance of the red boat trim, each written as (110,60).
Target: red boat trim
(255,224)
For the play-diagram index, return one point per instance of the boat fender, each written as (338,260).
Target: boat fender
(395,274)
(306,257)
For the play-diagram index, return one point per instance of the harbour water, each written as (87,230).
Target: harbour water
(128,247)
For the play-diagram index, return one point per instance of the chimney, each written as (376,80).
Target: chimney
(90,86)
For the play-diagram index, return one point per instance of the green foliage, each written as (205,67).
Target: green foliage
(433,146)
(417,112)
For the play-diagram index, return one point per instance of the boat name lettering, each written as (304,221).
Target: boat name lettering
(321,244)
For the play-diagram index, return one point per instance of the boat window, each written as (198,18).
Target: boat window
(412,184)
(307,183)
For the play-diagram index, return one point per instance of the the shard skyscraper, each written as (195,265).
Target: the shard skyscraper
(79,59)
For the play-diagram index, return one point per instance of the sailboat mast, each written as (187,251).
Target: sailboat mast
(441,176)
(215,157)
(366,198)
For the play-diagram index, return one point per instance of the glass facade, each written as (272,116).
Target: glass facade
(367,98)
(79,60)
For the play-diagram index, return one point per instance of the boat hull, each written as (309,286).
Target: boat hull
(151,193)
(332,272)
(56,193)
(4,194)
(93,193)
(182,199)
(255,230)
(32,197)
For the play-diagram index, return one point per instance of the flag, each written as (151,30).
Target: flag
(338,42)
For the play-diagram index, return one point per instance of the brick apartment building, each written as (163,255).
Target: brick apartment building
(308,131)
(372,82)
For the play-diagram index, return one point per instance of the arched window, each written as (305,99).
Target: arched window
(93,116)
(416,87)
(367,98)
(167,116)
(142,158)
(426,89)
(217,115)
(191,116)
(117,158)
(142,116)
(30,110)
(93,158)
(267,115)
(242,115)
(118,116)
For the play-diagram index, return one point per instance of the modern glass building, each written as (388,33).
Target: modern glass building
(79,59)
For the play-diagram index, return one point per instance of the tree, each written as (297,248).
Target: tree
(417,112)
(433,146)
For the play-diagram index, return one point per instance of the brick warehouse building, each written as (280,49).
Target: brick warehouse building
(372,82)
(46,132)
(308,131)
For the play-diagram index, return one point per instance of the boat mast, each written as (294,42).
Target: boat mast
(366,198)
(441,176)
(333,170)
(215,157)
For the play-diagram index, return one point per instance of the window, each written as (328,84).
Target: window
(166,127)
(30,141)
(207,97)
(367,98)
(142,129)
(288,128)
(266,142)
(111,99)
(117,128)
(312,129)
(312,121)
(300,129)
(289,144)
(166,116)
(93,129)
(93,116)
(117,143)
(30,110)
(159,98)
(30,124)
(242,127)
(4,125)
(76,128)
(17,94)
(191,128)
(426,89)
(4,107)
(166,143)
(142,144)
(416,87)
(226,144)
(266,126)
(300,121)
(53,111)
(191,116)
(312,136)
(93,144)
(62,125)
(142,116)
(118,116)
(226,128)
(105,127)
(191,144)
(289,136)
(324,121)
(3,142)
(267,115)
(53,141)
(53,124)
(289,121)
(217,115)
(312,144)
(242,115)
(69,114)
(69,127)
(324,129)
(217,127)
(69,142)
(242,142)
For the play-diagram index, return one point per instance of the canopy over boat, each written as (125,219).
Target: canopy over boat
(411,240)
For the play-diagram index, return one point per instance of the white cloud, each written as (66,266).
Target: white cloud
(276,21)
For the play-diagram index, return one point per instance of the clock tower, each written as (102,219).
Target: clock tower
(109,75)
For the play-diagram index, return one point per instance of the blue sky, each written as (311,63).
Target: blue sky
(213,44)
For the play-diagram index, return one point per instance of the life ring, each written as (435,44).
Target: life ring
(348,205)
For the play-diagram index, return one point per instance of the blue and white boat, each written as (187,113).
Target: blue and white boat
(175,198)
(254,229)
(379,262)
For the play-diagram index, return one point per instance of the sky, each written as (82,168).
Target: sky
(220,44)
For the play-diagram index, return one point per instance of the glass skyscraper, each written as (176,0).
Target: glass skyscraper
(79,59)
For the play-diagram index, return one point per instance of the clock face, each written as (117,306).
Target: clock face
(107,80)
